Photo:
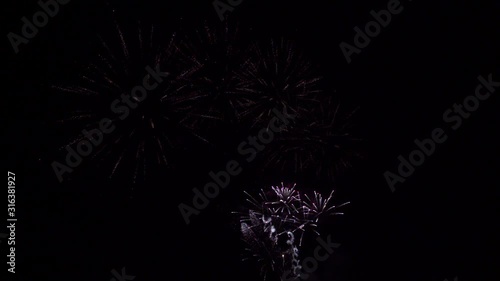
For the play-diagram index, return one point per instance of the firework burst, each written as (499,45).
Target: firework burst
(277,75)
(275,225)
(320,143)
(151,129)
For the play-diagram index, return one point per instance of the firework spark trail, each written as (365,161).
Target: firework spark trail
(276,217)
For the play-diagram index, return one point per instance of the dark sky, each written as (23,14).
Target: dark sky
(440,223)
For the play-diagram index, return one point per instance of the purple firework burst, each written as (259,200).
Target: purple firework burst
(274,226)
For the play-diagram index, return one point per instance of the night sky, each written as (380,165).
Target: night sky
(440,223)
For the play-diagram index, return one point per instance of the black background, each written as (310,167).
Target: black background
(439,224)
